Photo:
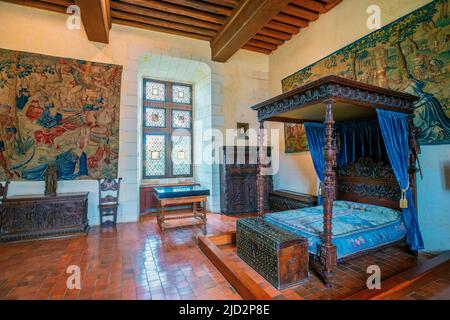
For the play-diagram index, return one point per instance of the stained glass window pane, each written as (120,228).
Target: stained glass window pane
(181,155)
(155,91)
(181,94)
(155,117)
(181,119)
(155,155)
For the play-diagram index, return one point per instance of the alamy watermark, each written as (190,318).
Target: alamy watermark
(74,280)
(374,19)
(73,22)
(374,280)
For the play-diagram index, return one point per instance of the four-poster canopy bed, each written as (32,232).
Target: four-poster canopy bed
(364,184)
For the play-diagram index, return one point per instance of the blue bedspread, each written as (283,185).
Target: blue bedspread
(356,226)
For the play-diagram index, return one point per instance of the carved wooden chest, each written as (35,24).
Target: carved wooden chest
(282,200)
(42,217)
(279,256)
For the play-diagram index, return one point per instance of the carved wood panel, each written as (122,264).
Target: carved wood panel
(368,181)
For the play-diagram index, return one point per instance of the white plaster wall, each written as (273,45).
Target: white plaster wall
(236,85)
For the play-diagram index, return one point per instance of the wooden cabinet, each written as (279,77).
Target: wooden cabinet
(148,201)
(238,176)
(41,217)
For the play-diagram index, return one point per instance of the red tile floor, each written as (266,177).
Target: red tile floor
(136,261)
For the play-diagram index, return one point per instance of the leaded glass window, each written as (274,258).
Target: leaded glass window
(155,155)
(181,119)
(155,91)
(167,129)
(154,117)
(181,94)
(181,155)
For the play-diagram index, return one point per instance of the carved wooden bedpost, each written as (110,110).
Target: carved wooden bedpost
(327,251)
(261,162)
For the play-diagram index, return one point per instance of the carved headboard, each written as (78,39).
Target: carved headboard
(368,181)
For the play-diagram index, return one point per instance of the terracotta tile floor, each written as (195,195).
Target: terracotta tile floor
(136,262)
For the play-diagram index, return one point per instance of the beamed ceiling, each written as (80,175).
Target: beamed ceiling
(229,25)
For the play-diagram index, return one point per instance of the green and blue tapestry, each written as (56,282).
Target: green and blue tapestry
(58,110)
(410,55)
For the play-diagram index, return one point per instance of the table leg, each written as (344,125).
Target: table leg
(204,217)
(160,216)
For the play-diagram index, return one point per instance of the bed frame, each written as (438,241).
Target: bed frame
(328,100)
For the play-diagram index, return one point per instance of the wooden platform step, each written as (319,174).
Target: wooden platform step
(407,281)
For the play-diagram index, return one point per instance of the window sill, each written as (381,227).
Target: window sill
(167,181)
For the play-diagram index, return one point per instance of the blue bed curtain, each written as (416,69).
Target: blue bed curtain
(394,128)
(315,133)
(359,139)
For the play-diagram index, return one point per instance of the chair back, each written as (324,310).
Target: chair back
(3,191)
(108,190)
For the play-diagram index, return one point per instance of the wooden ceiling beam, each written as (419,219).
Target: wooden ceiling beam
(162,23)
(39,5)
(245,22)
(184,11)
(262,44)
(311,5)
(261,37)
(280,26)
(331,4)
(275,34)
(64,3)
(159,29)
(226,3)
(199,5)
(256,49)
(301,13)
(287,18)
(96,19)
(117,6)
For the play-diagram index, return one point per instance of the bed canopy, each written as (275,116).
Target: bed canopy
(346,123)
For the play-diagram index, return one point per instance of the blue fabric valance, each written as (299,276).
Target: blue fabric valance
(394,128)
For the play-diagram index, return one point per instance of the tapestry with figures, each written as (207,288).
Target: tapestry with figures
(410,55)
(61,111)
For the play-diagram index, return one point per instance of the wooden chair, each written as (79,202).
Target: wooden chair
(108,191)
(3,192)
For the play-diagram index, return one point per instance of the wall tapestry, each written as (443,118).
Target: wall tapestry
(295,138)
(411,55)
(61,111)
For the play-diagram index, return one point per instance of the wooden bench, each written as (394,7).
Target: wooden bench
(282,200)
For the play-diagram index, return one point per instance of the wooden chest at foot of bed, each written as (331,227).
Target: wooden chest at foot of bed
(279,256)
